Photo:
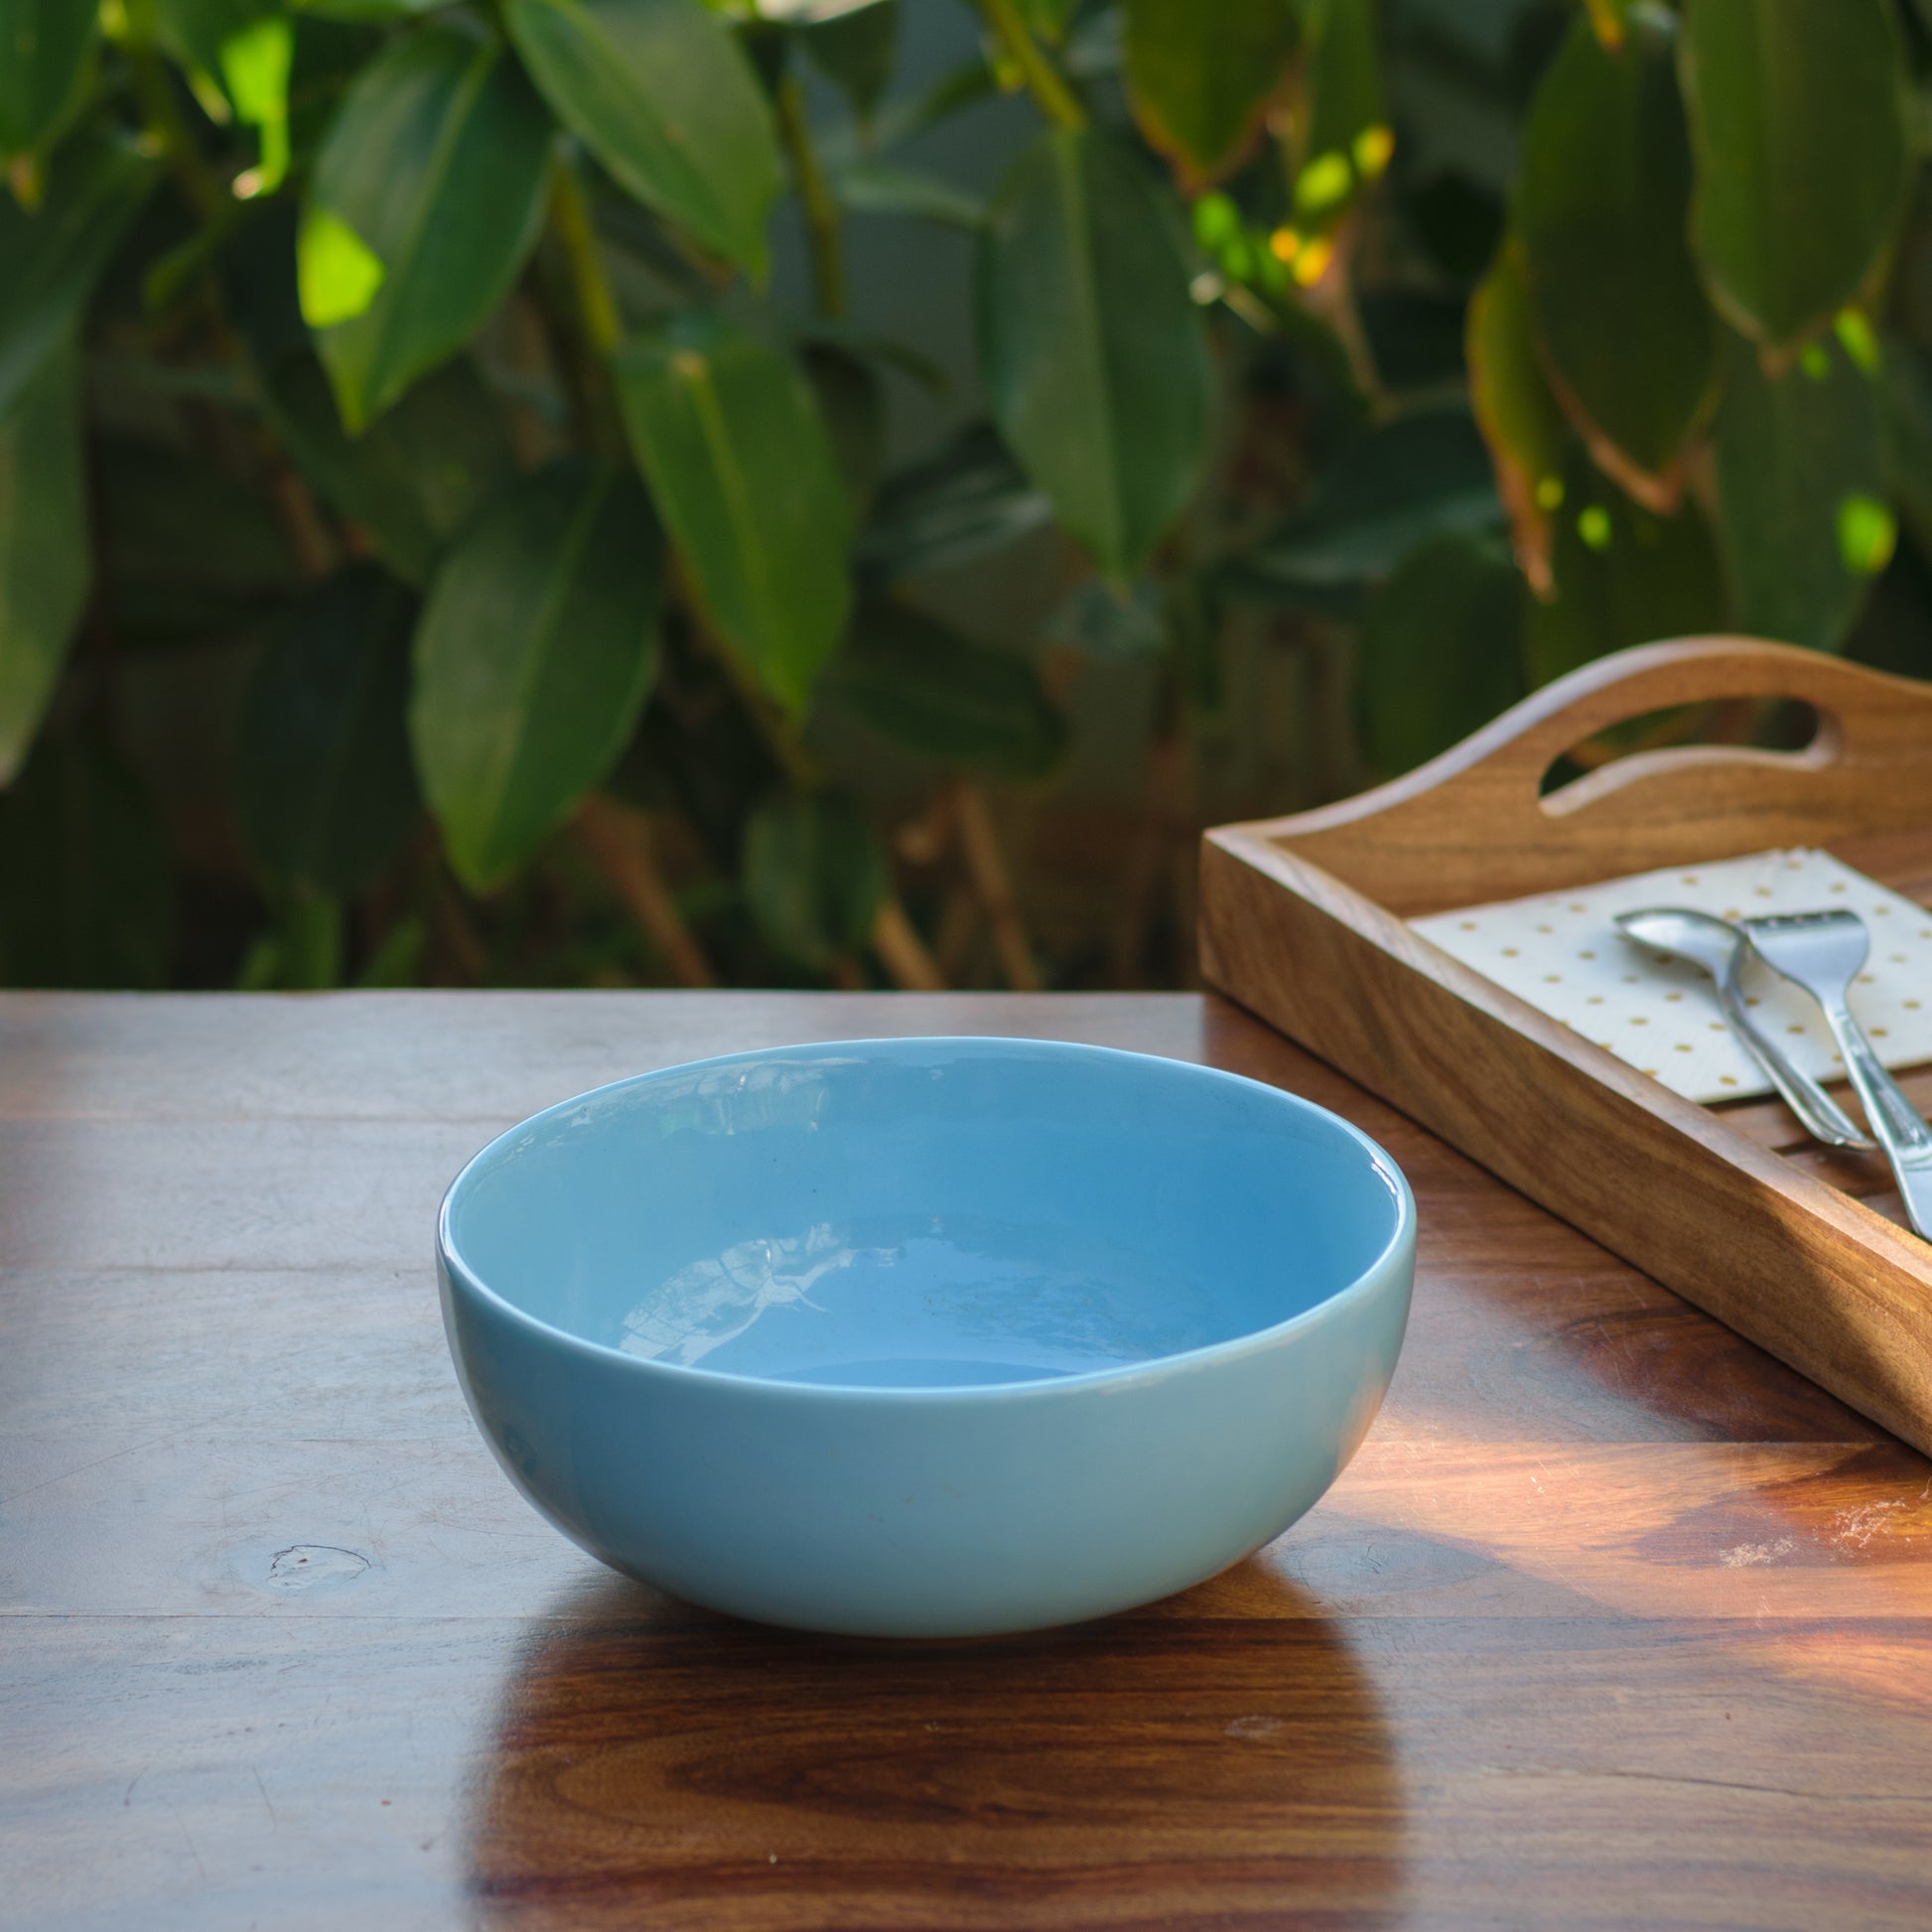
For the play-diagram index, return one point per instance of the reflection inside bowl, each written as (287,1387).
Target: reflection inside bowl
(1004,1301)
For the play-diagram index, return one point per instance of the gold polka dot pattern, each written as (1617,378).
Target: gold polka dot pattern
(1562,954)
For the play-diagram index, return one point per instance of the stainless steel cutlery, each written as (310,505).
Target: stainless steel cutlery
(1822,953)
(1720,948)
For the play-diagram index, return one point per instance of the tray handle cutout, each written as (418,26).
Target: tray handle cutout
(1473,825)
(1725,730)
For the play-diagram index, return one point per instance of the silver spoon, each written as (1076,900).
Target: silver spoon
(1822,952)
(1720,948)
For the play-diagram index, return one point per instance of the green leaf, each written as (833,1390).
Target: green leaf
(84,873)
(745,478)
(50,259)
(1600,207)
(324,788)
(193,31)
(44,564)
(435,166)
(416,477)
(1091,347)
(1423,475)
(1462,73)
(1909,297)
(1200,79)
(856,48)
(813,876)
(337,272)
(664,95)
(43,50)
(533,659)
(302,950)
(851,405)
(898,121)
(1440,652)
(868,185)
(1610,20)
(941,696)
(881,351)
(1799,121)
(1868,533)
(255,70)
(1908,435)
(1519,418)
(1624,576)
(967,499)
(1048,19)
(1792,453)
(1894,629)
(1110,621)
(1348,143)
(398,960)
(375,12)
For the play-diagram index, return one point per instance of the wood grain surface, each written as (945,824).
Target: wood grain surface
(1613,1621)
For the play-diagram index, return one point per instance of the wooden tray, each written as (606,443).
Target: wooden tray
(1303,920)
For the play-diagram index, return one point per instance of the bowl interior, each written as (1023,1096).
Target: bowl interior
(923,1213)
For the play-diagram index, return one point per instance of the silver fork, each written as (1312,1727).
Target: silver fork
(1720,948)
(1822,952)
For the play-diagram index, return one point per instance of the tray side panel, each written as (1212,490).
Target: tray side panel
(1817,1278)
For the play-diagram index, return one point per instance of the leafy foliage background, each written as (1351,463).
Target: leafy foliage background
(633,490)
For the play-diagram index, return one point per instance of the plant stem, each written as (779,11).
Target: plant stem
(455,930)
(26,182)
(616,841)
(1332,300)
(1043,81)
(986,862)
(583,325)
(904,953)
(823,237)
(959,924)
(1607,17)
(299,514)
(570,216)
(199,186)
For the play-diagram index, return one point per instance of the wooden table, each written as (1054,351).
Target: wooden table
(1613,1621)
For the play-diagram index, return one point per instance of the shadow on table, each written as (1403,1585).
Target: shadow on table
(655,1763)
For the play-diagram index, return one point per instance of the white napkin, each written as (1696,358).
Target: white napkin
(1562,954)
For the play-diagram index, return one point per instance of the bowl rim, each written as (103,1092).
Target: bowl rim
(460,1272)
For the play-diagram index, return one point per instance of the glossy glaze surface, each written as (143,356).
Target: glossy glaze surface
(988,1333)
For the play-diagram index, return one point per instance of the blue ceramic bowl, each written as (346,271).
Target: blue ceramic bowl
(926,1337)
